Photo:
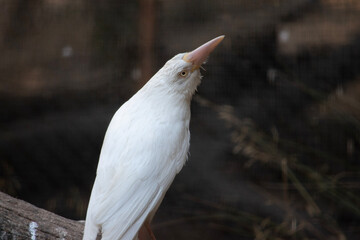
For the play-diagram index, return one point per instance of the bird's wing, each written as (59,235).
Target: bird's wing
(122,212)
(127,187)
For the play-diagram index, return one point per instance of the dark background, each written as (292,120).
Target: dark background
(275,124)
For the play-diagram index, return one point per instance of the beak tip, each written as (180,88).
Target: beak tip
(218,39)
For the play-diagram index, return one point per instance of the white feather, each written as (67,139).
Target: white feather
(145,146)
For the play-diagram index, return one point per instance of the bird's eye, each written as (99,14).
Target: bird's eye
(183,73)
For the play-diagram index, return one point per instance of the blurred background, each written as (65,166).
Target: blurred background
(275,124)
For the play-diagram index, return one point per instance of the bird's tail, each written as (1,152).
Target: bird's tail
(91,229)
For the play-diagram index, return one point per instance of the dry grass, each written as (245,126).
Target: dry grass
(311,198)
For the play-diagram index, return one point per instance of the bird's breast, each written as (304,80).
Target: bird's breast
(148,139)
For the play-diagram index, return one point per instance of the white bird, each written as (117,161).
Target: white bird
(145,146)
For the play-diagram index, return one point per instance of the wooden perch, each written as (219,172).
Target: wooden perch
(21,220)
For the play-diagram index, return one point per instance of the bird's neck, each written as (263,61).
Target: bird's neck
(162,101)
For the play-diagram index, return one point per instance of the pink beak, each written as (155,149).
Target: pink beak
(199,55)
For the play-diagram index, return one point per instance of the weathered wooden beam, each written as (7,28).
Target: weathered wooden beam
(21,220)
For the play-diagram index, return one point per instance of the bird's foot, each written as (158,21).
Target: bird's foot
(147,226)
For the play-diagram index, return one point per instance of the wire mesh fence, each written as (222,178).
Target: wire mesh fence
(275,124)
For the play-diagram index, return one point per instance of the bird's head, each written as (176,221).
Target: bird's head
(182,73)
